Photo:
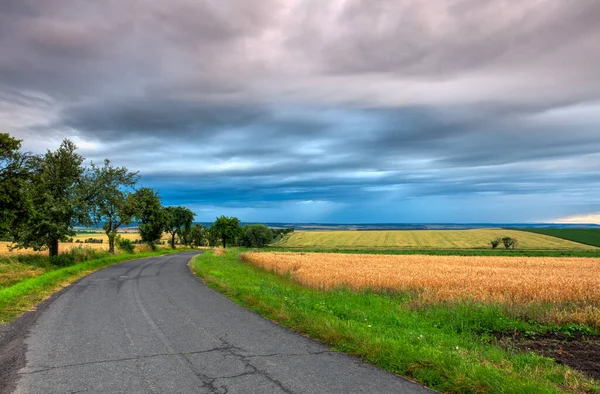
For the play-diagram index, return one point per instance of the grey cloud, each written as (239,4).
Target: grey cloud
(438,39)
(205,98)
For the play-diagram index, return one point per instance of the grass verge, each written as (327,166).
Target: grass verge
(449,347)
(25,294)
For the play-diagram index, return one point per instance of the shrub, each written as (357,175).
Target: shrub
(62,260)
(495,243)
(125,244)
(256,235)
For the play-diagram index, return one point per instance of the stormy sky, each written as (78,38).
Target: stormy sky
(320,110)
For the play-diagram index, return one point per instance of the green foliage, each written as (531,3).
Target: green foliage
(588,236)
(227,229)
(15,204)
(178,221)
(278,233)
(59,192)
(211,237)
(198,235)
(256,236)
(149,215)
(448,347)
(495,243)
(112,204)
(509,242)
(125,244)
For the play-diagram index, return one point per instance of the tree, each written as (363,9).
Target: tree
(113,205)
(256,235)
(211,236)
(60,197)
(178,220)
(149,214)
(15,206)
(495,243)
(226,228)
(197,235)
(509,242)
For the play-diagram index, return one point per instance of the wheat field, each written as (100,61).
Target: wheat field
(571,283)
(423,239)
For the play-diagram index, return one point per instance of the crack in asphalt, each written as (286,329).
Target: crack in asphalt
(116,360)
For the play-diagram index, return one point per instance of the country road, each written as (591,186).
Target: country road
(150,326)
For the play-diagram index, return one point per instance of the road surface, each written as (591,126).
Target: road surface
(150,326)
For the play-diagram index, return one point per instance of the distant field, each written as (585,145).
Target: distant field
(588,236)
(423,239)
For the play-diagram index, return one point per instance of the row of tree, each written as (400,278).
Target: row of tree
(43,198)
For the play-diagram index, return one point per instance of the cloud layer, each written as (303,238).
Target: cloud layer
(370,111)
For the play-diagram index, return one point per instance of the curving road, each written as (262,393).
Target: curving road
(149,326)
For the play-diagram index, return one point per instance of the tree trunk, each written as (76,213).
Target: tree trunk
(111,242)
(53,248)
(172,240)
(224,243)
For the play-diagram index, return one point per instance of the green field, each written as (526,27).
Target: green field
(424,239)
(588,236)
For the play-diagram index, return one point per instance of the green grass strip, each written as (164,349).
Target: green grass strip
(23,296)
(444,347)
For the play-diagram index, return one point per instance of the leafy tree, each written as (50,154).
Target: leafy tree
(212,237)
(197,235)
(113,205)
(226,228)
(495,243)
(256,235)
(149,214)
(61,197)
(15,206)
(509,242)
(178,220)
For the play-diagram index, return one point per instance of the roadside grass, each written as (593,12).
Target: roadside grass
(588,236)
(448,347)
(21,290)
(423,239)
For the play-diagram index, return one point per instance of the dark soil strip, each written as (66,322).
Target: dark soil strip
(578,352)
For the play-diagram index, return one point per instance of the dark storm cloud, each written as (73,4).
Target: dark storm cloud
(324,105)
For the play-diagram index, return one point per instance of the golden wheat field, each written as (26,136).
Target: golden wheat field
(63,247)
(423,239)
(498,279)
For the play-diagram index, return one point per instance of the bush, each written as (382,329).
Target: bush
(256,235)
(62,260)
(125,244)
(80,254)
(495,243)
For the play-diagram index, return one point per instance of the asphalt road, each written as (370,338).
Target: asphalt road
(150,326)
